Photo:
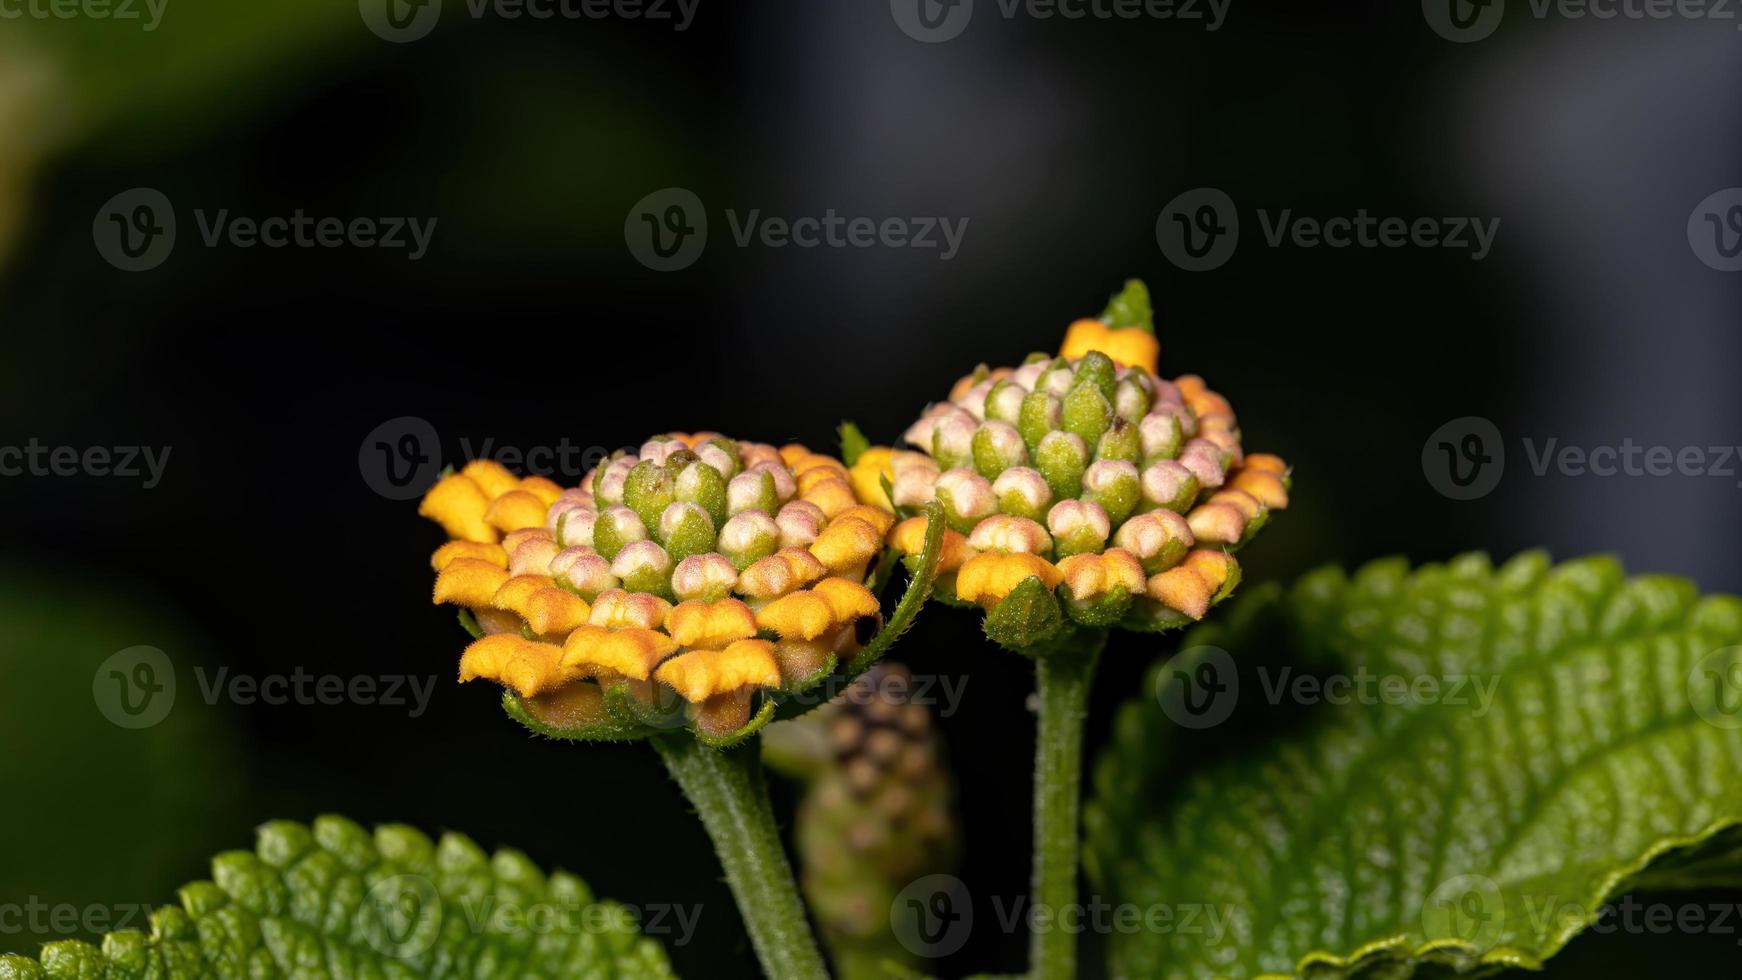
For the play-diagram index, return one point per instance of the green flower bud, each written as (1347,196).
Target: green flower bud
(1159,539)
(721,454)
(1022,492)
(616,527)
(753,490)
(709,577)
(686,529)
(644,567)
(748,537)
(998,447)
(1131,399)
(701,483)
(1040,415)
(1004,402)
(952,440)
(1078,527)
(1114,485)
(1061,458)
(1160,434)
(967,498)
(784,485)
(1098,369)
(1087,413)
(1057,378)
(608,485)
(648,491)
(1169,484)
(1122,440)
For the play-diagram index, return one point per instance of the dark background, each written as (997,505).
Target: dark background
(529,322)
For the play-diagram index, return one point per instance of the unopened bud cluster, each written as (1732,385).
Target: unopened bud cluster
(1083,472)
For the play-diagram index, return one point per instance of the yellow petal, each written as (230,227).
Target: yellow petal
(833,495)
(908,537)
(528,667)
(1264,485)
(805,615)
(490,476)
(616,608)
(447,553)
(632,652)
(848,600)
(469,582)
(1092,576)
(514,592)
(846,544)
(697,623)
(701,674)
(1182,589)
(546,490)
(458,505)
(767,578)
(868,474)
(554,612)
(806,568)
(516,509)
(988,579)
(877,517)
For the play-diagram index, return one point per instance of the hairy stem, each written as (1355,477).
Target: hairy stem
(1063,675)
(728,792)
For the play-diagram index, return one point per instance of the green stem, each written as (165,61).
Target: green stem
(728,792)
(1063,675)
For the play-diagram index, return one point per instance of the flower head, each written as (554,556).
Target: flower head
(1084,476)
(695,581)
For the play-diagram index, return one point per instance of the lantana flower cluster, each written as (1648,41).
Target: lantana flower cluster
(1121,492)
(685,583)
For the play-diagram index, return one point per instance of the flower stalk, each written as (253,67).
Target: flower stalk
(1064,673)
(730,795)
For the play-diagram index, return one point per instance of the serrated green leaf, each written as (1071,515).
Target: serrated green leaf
(333,900)
(1434,834)
(1130,307)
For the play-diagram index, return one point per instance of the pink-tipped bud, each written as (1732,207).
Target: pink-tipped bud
(800,521)
(1009,534)
(1078,527)
(974,399)
(1207,461)
(1159,539)
(532,557)
(709,577)
(756,453)
(584,572)
(967,498)
(609,489)
(1022,491)
(576,528)
(1160,435)
(644,567)
(716,456)
(749,536)
(913,487)
(752,491)
(784,485)
(658,449)
(1169,484)
(1029,374)
(952,441)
